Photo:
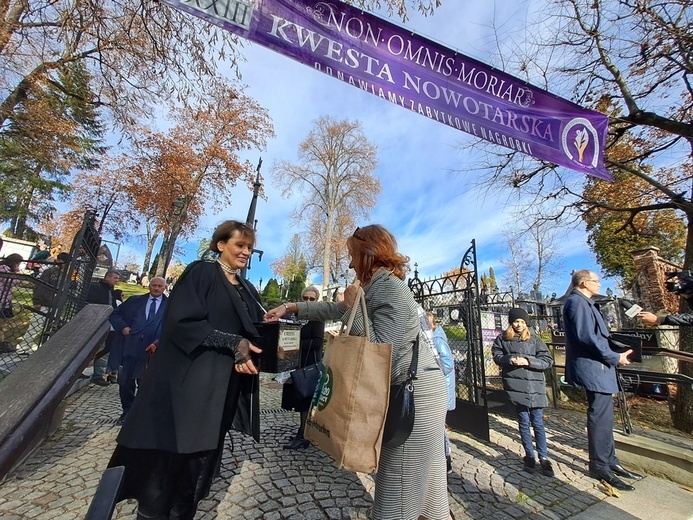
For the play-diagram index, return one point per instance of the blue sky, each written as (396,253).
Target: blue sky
(427,201)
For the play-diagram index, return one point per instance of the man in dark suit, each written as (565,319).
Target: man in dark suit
(591,364)
(138,322)
(101,292)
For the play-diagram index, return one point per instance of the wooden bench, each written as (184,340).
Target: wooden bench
(33,393)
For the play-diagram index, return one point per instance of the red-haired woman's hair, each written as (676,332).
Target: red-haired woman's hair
(372,247)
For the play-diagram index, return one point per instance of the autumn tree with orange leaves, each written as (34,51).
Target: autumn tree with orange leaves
(105,191)
(334,174)
(195,165)
(141,53)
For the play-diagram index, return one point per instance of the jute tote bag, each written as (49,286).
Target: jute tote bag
(349,407)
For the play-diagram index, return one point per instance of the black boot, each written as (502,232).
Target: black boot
(546,467)
(530,463)
(182,512)
(142,516)
(297,443)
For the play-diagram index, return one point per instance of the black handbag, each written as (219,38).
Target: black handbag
(305,380)
(399,421)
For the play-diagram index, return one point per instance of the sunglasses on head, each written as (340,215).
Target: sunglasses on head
(357,235)
(309,298)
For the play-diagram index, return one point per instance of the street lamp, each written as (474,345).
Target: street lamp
(250,219)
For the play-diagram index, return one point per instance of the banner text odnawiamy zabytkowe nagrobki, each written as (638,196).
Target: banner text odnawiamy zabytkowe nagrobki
(418,74)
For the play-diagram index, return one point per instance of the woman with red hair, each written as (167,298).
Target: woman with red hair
(411,482)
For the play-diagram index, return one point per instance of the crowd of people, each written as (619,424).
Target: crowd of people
(187,370)
(45,265)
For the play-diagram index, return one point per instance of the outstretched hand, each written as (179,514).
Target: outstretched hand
(275,314)
(647,318)
(245,365)
(350,294)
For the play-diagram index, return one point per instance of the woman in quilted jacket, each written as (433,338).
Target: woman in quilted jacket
(523,358)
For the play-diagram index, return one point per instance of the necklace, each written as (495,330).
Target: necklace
(226,268)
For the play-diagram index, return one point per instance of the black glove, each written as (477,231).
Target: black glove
(233,343)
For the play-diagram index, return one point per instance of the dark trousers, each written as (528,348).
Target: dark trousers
(600,431)
(127,389)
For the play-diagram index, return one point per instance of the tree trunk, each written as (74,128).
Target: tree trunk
(682,415)
(169,243)
(160,267)
(326,256)
(148,253)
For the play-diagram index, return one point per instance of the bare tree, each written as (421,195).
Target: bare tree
(633,60)
(518,263)
(335,176)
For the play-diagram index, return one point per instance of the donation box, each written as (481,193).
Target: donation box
(281,346)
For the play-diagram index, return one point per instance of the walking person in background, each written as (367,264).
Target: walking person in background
(523,358)
(43,294)
(411,481)
(102,292)
(312,340)
(591,364)
(7,265)
(447,365)
(137,323)
(200,384)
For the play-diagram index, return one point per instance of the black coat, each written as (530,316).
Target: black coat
(525,386)
(190,393)
(685,320)
(101,293)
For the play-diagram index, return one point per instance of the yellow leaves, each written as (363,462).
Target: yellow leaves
(609,489)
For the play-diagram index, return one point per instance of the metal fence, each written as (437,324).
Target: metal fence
(42,302)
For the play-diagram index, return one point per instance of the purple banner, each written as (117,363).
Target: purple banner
(418,74)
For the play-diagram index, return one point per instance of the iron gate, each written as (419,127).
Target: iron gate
(31,325)
(471,317)
(73,285)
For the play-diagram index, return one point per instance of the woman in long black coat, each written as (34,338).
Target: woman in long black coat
(523,358)
(200,383)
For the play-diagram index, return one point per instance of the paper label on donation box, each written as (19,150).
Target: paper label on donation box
(289,338)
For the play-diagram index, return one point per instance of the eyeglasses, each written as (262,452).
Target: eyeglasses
(356,235)
(309,298)
(593,281)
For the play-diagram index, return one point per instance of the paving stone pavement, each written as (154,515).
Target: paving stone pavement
(263,481)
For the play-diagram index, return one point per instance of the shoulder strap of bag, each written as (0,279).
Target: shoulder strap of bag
(414,360)
(360,302)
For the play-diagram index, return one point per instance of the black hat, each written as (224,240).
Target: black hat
(517,313)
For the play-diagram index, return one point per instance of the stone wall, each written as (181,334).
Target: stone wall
(649,286)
